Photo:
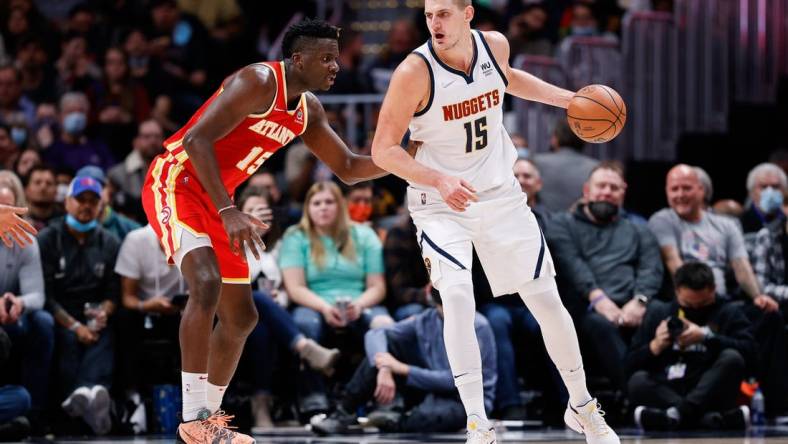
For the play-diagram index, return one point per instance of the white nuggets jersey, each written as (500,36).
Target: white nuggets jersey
(461,126)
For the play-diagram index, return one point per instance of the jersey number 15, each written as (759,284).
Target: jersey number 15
(476,134)
(253,160)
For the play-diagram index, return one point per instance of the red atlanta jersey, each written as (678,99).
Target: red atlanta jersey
(244,149)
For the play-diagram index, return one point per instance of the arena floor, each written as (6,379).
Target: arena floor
(297,435)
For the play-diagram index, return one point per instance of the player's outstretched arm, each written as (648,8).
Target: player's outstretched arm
(250,90)
(522,84)
(328,147)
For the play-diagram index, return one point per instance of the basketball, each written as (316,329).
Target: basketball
(597,114)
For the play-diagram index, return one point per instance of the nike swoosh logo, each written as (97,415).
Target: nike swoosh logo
(446,85)
(460,375)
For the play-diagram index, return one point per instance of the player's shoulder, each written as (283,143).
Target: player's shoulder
(497,42)
(255,76)
(414,66)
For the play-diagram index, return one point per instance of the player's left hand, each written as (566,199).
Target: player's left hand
(241,229)
(456,192)
(766,303)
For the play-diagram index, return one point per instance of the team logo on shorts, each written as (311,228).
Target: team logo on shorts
(166,213)
(428,264)
(423,198)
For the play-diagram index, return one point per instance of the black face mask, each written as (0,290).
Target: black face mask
(603,212)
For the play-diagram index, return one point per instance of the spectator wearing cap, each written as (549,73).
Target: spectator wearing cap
(111,220)
(82,291)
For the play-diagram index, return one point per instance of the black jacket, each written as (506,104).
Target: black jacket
(729,326)
(75,274)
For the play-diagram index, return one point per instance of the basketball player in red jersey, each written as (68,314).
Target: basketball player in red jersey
(187,198)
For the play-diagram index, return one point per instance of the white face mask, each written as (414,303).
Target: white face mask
(62,191)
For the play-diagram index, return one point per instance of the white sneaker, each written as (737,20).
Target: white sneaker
(97,415)
(589,420)
(479,432)
(77,403)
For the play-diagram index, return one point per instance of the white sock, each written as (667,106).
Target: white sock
(542,299)
(193,388)
(215,395)
(462,347)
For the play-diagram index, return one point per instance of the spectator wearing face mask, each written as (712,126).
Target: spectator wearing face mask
(359,202)
(612,268)
(73,148)
(766,184)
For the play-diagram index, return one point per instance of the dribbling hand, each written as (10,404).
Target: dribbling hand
(242,230)
(456,192)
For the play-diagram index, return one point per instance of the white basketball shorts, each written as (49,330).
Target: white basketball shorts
(502,228)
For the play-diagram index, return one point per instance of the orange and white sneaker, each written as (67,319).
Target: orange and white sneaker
(210,428)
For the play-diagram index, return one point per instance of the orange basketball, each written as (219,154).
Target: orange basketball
(597,114)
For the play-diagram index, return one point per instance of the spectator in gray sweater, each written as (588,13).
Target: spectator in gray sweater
(407,368)
(610,266)
(30,328)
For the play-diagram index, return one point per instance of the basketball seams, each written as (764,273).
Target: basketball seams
(583,119)
(598,103)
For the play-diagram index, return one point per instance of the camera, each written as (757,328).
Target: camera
(675,327)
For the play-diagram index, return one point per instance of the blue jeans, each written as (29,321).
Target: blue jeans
(14,402)
(85,365)
(276,327)
(314,326)
(408,310)
(34,337)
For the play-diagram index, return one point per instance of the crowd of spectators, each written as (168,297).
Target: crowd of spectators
(674,311)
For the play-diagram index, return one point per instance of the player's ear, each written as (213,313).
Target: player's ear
(469,12)
(298,59)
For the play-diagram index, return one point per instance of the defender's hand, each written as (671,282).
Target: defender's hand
(456,192)
(241,229)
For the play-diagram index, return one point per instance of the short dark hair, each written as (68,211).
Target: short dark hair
(694,275)
(363,185)
(307,29)
(565,137)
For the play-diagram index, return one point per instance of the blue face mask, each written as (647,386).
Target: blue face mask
(522,152)
(583,31)
(74,123)
(771,200)
(78,226)
(19,136)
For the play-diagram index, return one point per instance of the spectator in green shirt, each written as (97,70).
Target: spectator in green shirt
(333,272)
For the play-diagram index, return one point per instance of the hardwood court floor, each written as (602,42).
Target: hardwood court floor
(297,435)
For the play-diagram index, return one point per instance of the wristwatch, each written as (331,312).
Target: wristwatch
(643,299)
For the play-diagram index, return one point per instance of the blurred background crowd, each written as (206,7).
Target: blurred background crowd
(678,296)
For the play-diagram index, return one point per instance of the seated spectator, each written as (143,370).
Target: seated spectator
(111,220)
(9,151)
(14,402)
(78,259)
(766,184)
(611,266)
(685,232)
(527,32)
(153,293)
(76,69)
(128,177)
(276,325)
(25,162)
(402,39)
(40,191)
(563,169)
(688,358)
(12,101)
(285,213)
(359,202)
(38,76)
(72,148)
(406,367)
(531,183)
(333,272)
(408,285)
(21,316)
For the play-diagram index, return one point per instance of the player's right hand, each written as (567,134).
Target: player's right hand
(456,192)
(242,230)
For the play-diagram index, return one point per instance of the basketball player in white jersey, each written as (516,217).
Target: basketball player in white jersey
(449,92)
